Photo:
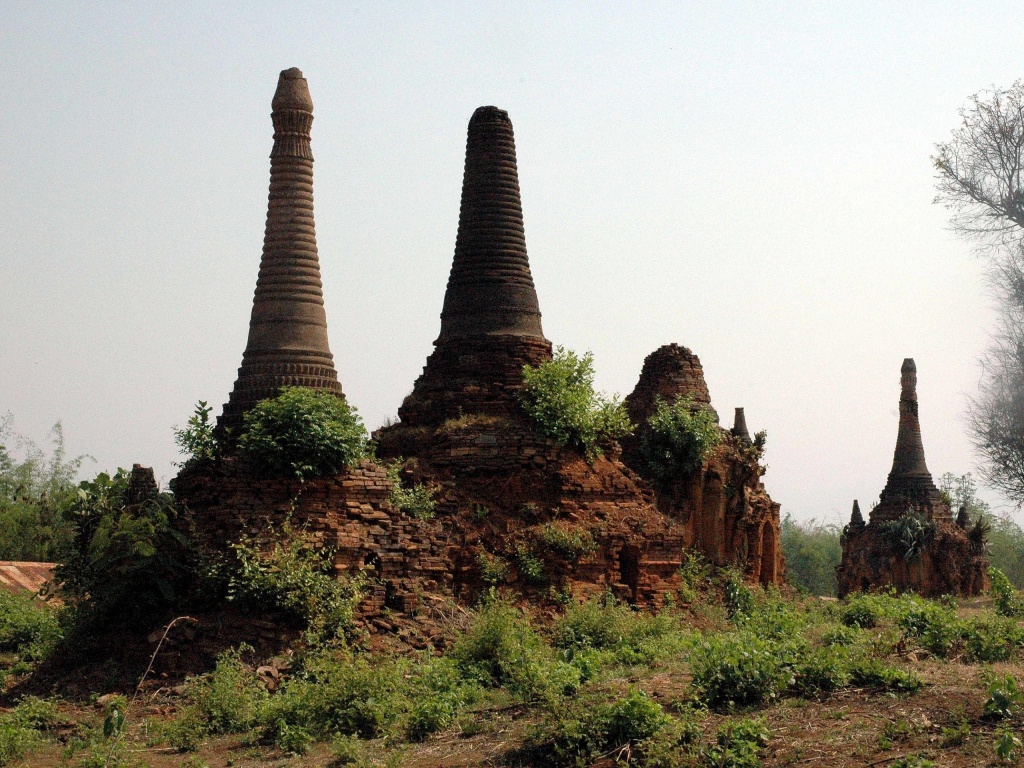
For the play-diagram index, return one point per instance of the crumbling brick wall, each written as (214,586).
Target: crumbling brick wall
(725,510)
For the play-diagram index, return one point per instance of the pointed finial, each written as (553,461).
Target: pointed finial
(908,459)
(856,518)
(739,426)
(963,518)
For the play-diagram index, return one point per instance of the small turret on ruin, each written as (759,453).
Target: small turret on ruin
(287,343)
(911,542)
(724,508)
(739,427)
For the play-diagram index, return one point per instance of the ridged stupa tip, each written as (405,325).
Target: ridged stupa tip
(292,91)
(489,115)
(909,366)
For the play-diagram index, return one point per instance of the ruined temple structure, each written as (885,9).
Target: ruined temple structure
(724,509)
(288,327)
(911,542)
(511,496)
(513,507)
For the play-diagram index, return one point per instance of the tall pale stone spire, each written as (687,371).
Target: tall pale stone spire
(288,327)
(910,485)
(490,322)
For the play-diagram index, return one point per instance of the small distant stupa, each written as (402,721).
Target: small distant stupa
(939,557)
(910,485)
(288,327)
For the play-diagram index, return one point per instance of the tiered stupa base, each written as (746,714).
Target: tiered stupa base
(477,375)
(950,564)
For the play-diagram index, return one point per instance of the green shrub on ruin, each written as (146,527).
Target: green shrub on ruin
(303,432)
(565,541)
(678,438)
(560,398)
(196,439)
(295,577)
(416,500)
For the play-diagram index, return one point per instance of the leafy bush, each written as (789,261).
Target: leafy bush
(231,699)
(580,733)
(873,673)
(864,611)
(196,440)
(678,438)
(341,692)
(417,500)
(1004,698)
(822,671)
(530,567)
(493,568)
(20,728)
(735,670)
(939,630)
(559,396)
(627,637)
(126,561)
(569,542)
(739,598)
(502,649)
(295,578)
(26,626)
(693,576)
(303,432)
(991,639)
(1006,599)
(738,744)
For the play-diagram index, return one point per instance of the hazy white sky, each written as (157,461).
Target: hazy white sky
(751,180)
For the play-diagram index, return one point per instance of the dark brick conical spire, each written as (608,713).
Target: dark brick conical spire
(739,426)
(856,518)
(910,485)
(490,322)
(288,327)
(490,288)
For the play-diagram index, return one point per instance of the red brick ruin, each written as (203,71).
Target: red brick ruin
(513,508)
(911,542)
(724,509)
